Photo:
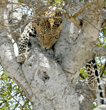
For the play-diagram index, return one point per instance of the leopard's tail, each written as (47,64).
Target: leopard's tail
(94,81)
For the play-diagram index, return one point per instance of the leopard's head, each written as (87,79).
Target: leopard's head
(48,31)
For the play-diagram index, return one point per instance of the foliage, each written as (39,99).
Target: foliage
(83,73)
(19,1)
(94,105)
(11,95)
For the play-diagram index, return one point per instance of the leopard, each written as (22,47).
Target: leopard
(46,28)
(94,81)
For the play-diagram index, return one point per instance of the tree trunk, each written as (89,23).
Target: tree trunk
(48,78)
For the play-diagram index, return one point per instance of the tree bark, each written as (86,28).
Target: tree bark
(48,78)
(85,95)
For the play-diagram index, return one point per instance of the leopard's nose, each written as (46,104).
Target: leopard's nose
(46,46)
(46,49)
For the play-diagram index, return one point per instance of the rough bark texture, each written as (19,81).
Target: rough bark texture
(61,65)
(85,95)
(102,107)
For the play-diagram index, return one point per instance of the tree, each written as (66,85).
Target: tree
(11,95)
(60,64)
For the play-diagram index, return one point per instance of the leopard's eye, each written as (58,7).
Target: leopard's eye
(57,25)
(50,38)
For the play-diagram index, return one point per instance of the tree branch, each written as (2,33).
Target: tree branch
(98,51)
(83,45)
(81,76)
(101,107)
(87,96)
(9,63)
(83,8)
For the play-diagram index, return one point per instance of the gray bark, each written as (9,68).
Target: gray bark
(102,107)
(85,95)
(48,78)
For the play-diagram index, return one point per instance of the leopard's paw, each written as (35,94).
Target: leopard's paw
(21,58)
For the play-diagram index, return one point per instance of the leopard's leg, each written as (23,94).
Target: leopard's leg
(23,41)
(22,47)
(94,80)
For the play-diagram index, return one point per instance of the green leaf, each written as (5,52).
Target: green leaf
(80,0)
(19,1)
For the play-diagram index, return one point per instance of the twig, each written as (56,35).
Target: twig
(92,25)
(103,70)
(81,76)
(82,9)
(4,101)
(24,104)
(77,23)
(72,18)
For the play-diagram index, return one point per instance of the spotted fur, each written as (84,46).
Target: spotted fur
(94,81)
(46,29)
